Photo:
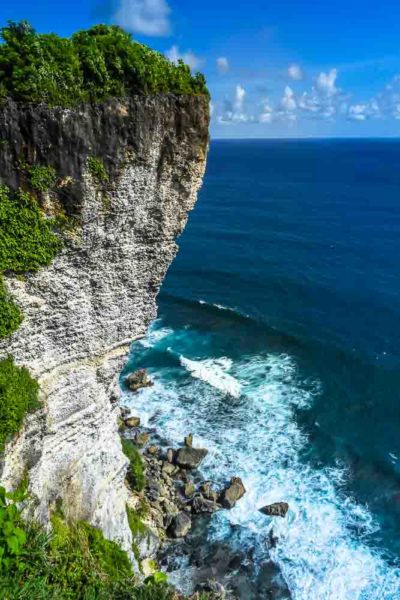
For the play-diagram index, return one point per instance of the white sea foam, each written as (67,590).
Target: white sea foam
(214,372)
(322,550)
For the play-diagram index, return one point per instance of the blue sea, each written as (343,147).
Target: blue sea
(278,345)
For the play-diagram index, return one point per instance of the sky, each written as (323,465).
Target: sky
(284,68)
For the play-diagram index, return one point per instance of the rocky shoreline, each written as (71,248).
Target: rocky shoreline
(175,500)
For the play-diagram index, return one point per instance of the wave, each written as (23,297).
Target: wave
(251,431)
(213,372)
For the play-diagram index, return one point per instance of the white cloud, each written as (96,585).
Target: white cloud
(326,83)
(358,112)
(295,72)
(188,57)
(234,110)
(288,102)
(222,65)
(148,17)
(267,112)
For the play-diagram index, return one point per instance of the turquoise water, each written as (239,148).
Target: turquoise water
(277,344)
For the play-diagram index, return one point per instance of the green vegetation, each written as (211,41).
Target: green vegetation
(27,242)
(74,562)
(42,178)
(91,66)
(136,477)
(97,169)
(18,397)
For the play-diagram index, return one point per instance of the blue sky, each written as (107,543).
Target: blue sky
(287,68)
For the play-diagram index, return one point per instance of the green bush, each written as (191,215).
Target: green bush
(18,397)
(27,243)
(92,65)
(42,178)
(136,477)
(97,168)
(73,562)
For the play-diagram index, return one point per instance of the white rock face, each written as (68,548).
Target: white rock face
(82,313)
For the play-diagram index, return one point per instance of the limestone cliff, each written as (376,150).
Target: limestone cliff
(99,294)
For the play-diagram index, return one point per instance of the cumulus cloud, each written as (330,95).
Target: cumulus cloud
(267,112)
(357,112)
(234,110)
(326,83)
(148,17)
(222,65)
(295,72)
(174,55)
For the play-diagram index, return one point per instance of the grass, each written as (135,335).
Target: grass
(18,397)
(97,169)
(136,477)
(27,242)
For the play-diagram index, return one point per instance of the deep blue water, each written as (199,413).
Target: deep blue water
(278,345)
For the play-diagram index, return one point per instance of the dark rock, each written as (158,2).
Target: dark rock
(232,493)
(170,455)
(138,380)
(180,525)
(132,422)
(190,458)
(202,505)
(141,439)
(214,588)
(189,489)
(188,441)
(278,509)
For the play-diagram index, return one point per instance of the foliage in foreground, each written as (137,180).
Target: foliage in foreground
(74,562)
(18,397)
(92,65)
(27,243)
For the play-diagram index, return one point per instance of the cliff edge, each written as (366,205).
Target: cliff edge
(126,173)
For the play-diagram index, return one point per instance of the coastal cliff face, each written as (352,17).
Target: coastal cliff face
(83,311)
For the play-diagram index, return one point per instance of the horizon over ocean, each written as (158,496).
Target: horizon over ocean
(277,345)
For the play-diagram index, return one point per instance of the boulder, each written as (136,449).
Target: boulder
(152,450)
(188,441)
(190,458)
(132,422)
(138,380)
(232,493)
(141,439)
(202,505)
(180,525)
(189,489)
(170,455)
(277,509)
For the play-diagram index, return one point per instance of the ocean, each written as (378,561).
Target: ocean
(278,345)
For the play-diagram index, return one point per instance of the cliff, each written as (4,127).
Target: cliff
(127,173)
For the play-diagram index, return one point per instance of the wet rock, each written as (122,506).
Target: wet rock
(138,380)
(189,489)
(168,468)
(141,439)
(188,441)
(132,422)
(180,525)
(170,455)
(202,505)
(153,450)
(190,458)
(214,588)
(232,493)
(277,509)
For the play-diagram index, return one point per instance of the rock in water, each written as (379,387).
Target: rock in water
(190,458)
(180,525)
(138,380)
(278,509)
(231,494)
(132,422)
(188,441)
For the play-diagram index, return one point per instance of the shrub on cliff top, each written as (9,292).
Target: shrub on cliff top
(18,397)
(92,65)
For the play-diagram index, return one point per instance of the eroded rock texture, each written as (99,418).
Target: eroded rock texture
(82,313)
